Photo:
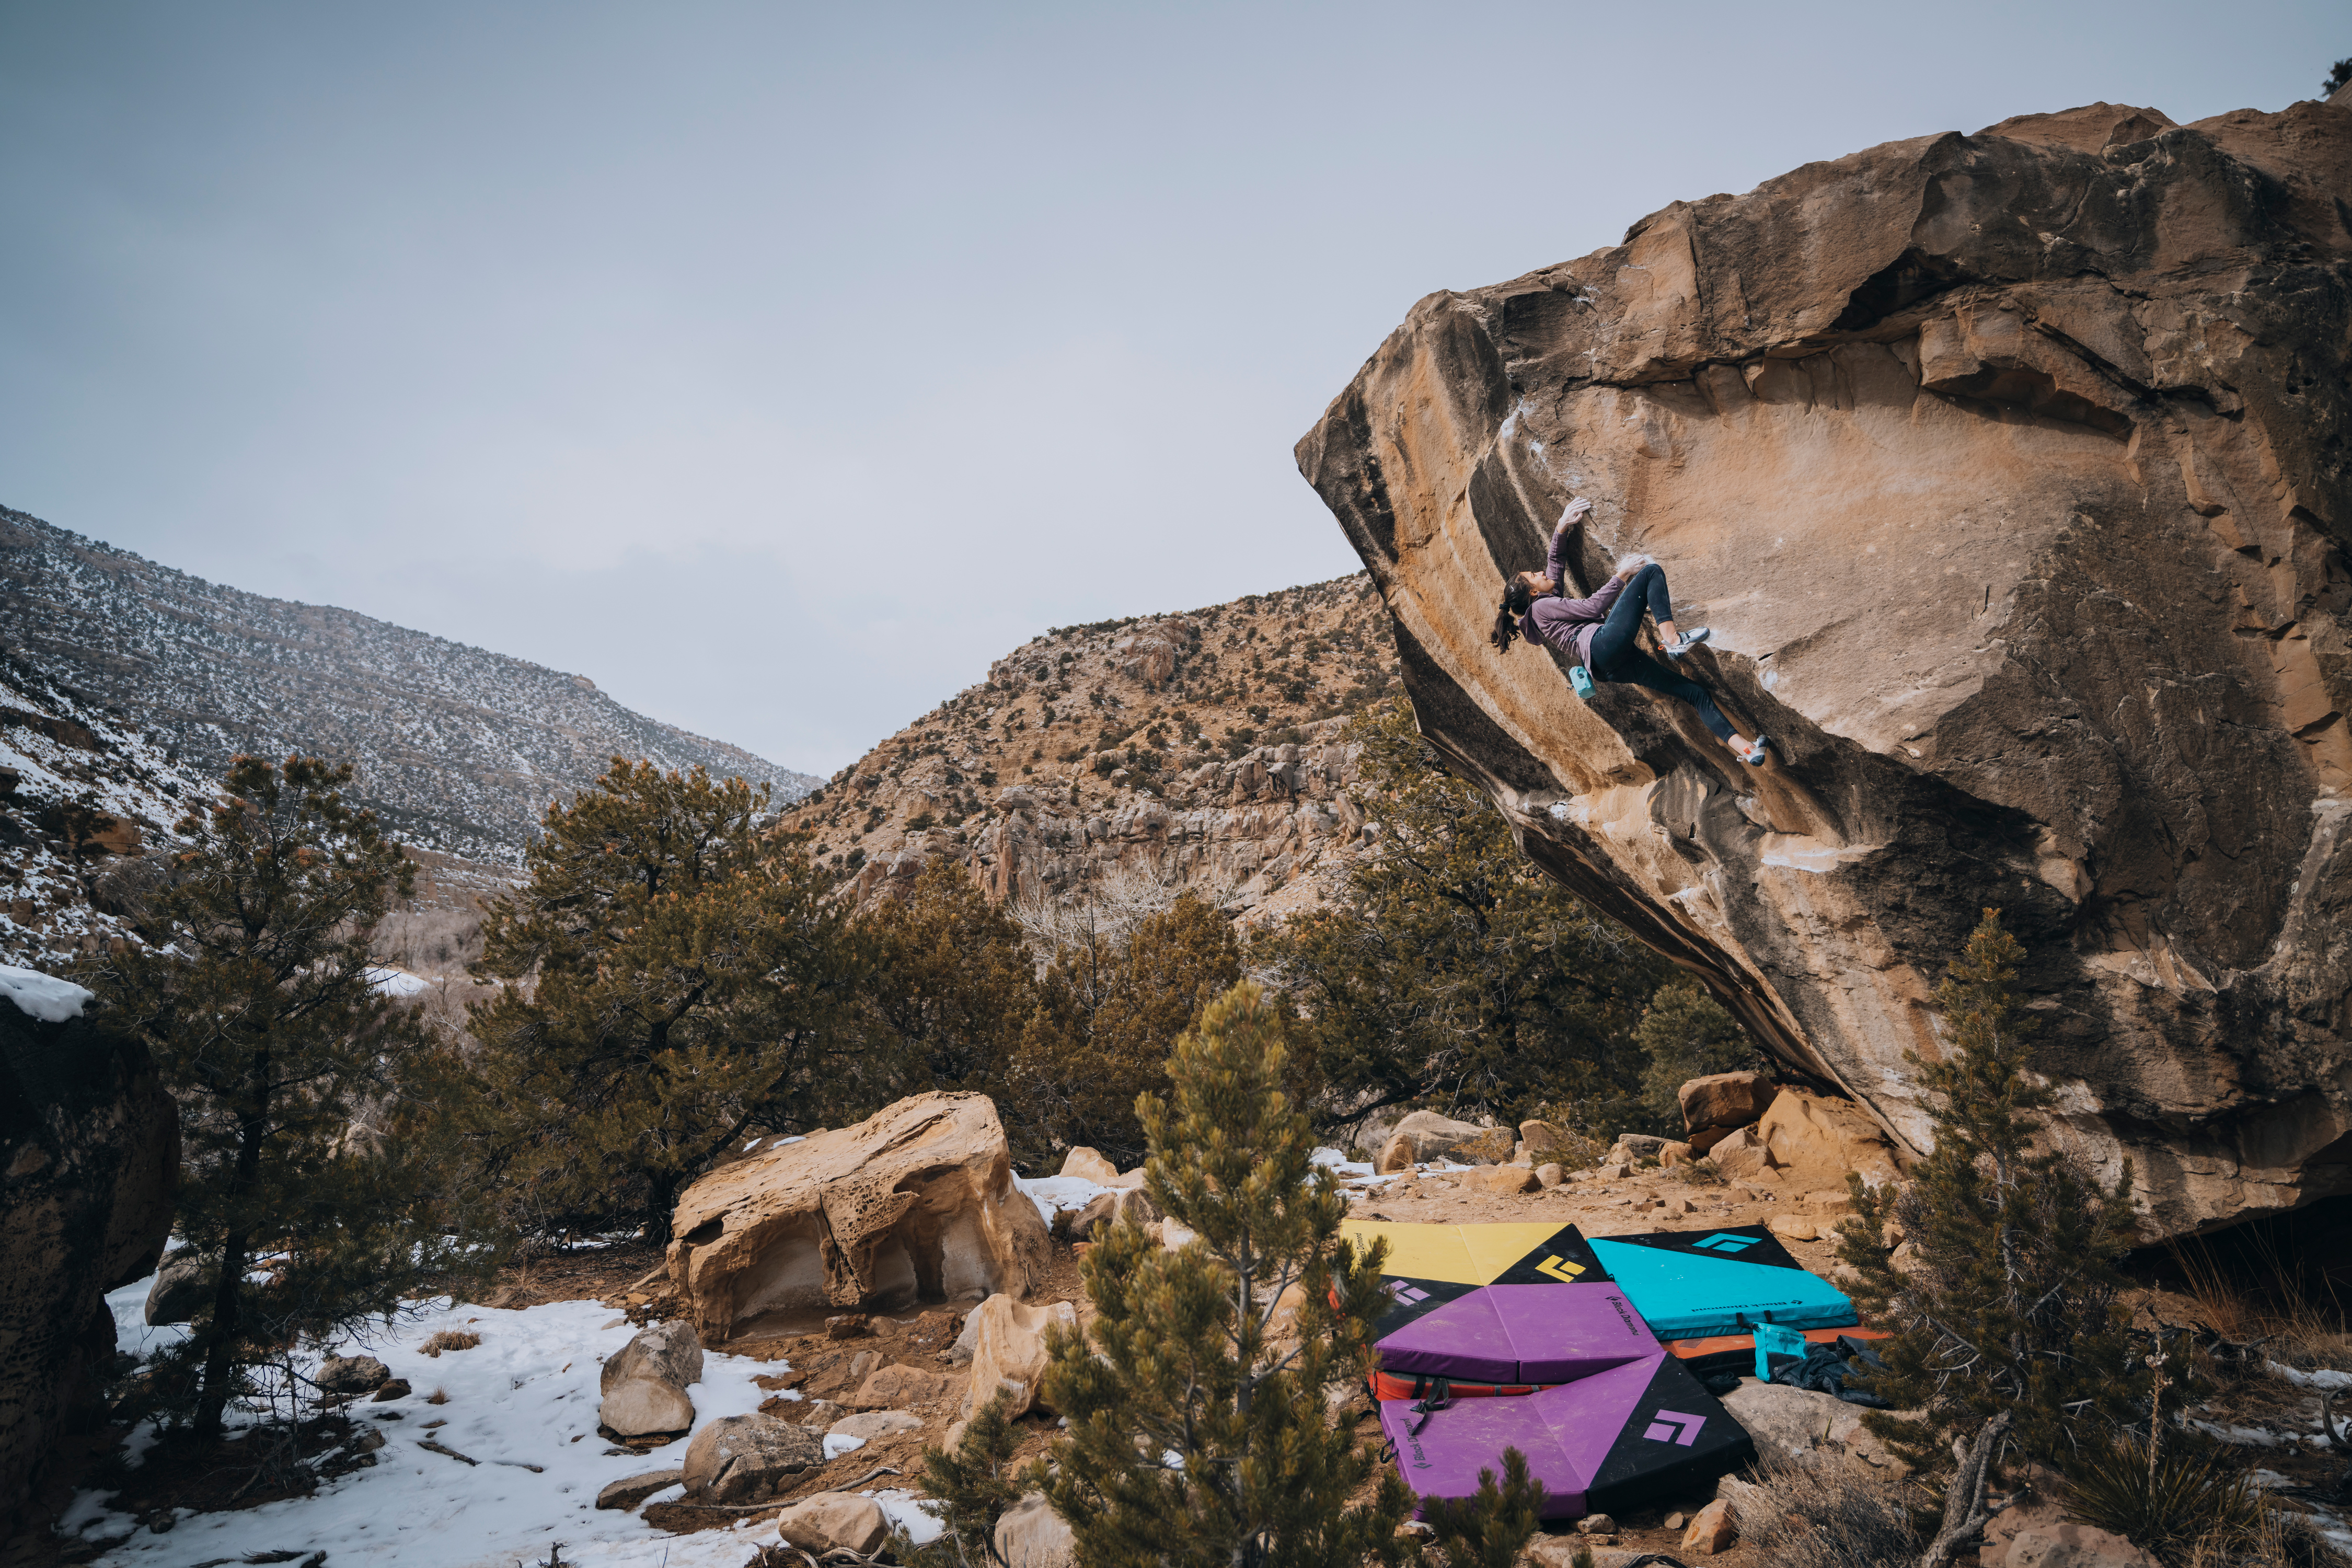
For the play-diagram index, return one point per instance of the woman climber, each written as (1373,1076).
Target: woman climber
(1598,632)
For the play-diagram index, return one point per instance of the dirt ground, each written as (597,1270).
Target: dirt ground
(816,1366)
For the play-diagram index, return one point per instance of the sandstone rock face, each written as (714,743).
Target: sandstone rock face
(89,1151)
(2007,469)
(741,1457)
(1089,1165)
(916,1203)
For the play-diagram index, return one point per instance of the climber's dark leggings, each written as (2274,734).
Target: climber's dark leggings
(1616,657)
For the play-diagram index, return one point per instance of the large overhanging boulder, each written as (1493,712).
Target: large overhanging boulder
(2011,471)
(90,1157)
(916,1203)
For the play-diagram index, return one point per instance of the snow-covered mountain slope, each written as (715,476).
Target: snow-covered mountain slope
(458,749)
(82,790)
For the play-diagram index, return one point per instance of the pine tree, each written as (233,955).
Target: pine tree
(953,983)
(291,1067)
(1107,1005)
(1451,972)
(674,977)
(2008,1324)
(1199,1429)
(1685,1033)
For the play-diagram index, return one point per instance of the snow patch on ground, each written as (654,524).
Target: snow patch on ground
(393,981)
(1054,1192)
(526,1395)
(43,996)
(2324,1378)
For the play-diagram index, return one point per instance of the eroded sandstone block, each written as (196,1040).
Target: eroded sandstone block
(915,1204)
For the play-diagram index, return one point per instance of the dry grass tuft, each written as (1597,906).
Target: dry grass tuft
(451,1340)
(1832,1514)
(2271,1297)
(439,1396)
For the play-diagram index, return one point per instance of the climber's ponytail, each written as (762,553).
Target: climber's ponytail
(1516,597)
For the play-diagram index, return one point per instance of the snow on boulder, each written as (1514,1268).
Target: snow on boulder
(44,997)
(917,1203)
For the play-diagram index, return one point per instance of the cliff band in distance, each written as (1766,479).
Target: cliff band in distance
(2010,472)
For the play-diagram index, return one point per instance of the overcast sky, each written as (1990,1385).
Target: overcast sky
(778,367)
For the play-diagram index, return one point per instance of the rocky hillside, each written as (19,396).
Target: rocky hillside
(1198,751)
(2011,471)
(458,749)
(83,791)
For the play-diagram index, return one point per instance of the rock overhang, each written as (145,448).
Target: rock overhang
(2007,469)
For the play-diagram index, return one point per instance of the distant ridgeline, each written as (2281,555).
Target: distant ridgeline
(458,750)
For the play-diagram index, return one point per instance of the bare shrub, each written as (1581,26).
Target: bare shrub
(1832,1513)
(451,1340)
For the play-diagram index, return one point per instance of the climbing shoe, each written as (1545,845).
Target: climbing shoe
(1582,679)
(1755,754)
(1688,641)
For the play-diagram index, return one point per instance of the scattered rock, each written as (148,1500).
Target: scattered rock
(1432,1135)
(1504,1180)
(895,1387)
(1088,1166)
(667,1353)
(1675,1521)
(1801,1426)
(1009,1352)
(645,1407)
(182,1287)
(1793,1227)
(1549,1175)
(846,1326)
(1714,1529)
(1724,1099)
(1030,1534)
(1596,1524)
(1639,1145)
(831,1520)
(1828,1202)
(740,1458)
(1673,1207)
(1674,1154)
(629,1492)
(868,1425)
(818,1413)
(352,1375)
(1905,1258)
(1741,1153)
(2060,1544)
(915,1196)
(393,1388)
(1397,1154)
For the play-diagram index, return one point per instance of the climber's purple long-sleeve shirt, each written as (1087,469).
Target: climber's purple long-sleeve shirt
(1568,625)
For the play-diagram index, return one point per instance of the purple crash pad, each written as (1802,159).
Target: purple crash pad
(1522,1333)
(1637,1430)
